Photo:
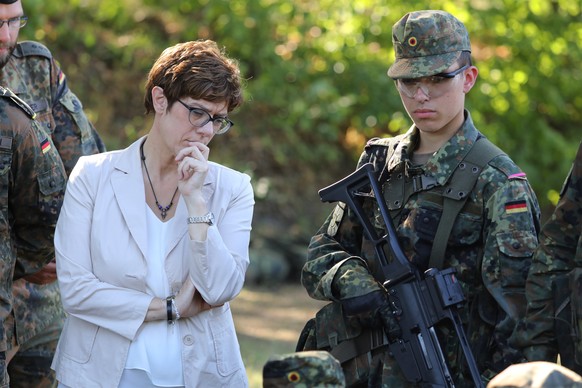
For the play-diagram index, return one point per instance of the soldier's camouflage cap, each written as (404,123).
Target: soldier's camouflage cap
(537,374)
(427,43)
(312,368)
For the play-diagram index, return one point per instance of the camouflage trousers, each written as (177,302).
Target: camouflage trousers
(31,365)
(4,377)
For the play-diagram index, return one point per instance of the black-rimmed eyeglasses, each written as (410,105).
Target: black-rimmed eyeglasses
(198,117)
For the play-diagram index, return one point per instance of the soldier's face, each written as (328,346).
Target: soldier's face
(442,114)
(8,34)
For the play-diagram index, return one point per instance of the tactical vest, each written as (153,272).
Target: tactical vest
(455,192)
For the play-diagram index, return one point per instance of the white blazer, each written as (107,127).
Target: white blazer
(100,245)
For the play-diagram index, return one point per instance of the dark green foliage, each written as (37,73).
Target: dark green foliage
(317,87)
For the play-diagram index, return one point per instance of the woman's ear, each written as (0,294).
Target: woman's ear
(470,78)
(159,100)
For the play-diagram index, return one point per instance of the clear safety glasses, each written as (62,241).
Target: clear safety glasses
(432,86)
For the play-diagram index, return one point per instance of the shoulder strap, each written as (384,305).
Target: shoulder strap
(457,192)
(30,48)
(7,93)
(383,176)
(389,145)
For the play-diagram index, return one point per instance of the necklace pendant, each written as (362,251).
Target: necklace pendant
(163,210)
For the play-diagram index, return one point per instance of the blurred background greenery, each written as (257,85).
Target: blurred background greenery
(317,89)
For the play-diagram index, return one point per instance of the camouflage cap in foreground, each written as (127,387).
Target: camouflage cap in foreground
(427,43)
(303,370)
(539,374)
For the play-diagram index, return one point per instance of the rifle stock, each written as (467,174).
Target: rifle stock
(419,301)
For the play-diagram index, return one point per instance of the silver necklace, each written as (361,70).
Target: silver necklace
(163,209)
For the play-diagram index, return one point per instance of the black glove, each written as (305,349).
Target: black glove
(385,315)
(374,310)
(367,303)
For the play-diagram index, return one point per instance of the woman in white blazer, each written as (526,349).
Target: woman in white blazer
(152,241)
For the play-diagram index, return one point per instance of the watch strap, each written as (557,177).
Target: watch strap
(206,219)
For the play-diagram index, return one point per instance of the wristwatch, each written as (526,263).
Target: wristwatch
(207,219)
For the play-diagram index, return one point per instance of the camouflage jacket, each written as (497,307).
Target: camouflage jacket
(490,245)
(559,252)
(32,183)
(34,75)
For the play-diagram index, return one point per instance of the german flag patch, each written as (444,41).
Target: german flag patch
(45,146)
(515,207)
(61,77)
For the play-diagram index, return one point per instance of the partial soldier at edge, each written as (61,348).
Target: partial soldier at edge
(30,71)
(553,322)
(32,183)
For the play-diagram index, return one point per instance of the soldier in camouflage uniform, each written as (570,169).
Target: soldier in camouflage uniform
(441,162)
(32,183)
(28,69)
(559,256)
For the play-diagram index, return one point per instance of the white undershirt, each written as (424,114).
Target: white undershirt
(156,349)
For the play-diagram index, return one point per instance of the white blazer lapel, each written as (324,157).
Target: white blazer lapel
(128,188)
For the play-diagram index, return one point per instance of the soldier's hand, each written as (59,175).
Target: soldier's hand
(385,314)
(46,275)
(374,310)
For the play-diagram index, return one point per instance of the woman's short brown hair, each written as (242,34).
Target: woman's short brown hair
(196,69)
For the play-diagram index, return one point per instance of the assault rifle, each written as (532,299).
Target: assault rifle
(419,301)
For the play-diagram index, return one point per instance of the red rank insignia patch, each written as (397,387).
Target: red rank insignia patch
(515,207)
(45,146)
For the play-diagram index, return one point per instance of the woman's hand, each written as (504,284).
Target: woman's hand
(189,302)
(192,170)
(196,306)
(192,167)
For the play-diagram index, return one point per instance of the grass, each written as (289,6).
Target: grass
(268,322)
